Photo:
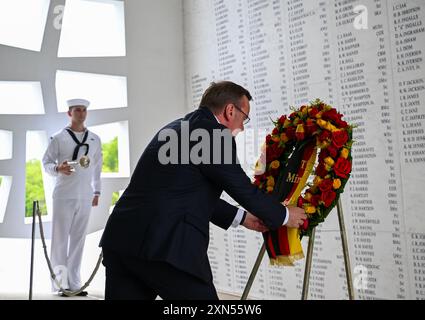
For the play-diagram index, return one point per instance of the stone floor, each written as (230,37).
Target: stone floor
(15,271)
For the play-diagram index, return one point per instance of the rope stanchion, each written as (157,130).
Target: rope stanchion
(66,292)
(34,206)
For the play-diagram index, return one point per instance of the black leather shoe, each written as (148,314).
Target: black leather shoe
(81,294)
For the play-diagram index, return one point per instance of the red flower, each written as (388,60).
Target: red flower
(326,185)
(275,131)
(282,119)
(290,133)
(277,150)
(332,115)
(328,197)
(299,132)
(324,153)
(315,200)
(273,152)
(270,154)
(313,112)
(325,134)
(321,170)
(311,127)
(305,225)
(293,115)
(342,167)
(300,202)
(339,138)
(333,152)
(342,124)
(268,138)
(260,177)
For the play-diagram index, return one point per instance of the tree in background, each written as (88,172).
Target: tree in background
(110,156)
(34,187)
(115,197)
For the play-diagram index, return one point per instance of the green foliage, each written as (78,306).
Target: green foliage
(110,156)
(115,197)
(34,187)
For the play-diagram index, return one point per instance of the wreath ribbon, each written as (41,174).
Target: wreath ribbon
(284,244)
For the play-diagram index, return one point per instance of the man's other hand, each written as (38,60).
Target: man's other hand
(296,217)
(253,223)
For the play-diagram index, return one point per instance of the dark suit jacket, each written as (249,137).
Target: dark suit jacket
(164,213)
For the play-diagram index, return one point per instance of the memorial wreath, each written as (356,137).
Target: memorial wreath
(287,160)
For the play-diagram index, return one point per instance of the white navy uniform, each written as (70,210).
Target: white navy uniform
(72,201)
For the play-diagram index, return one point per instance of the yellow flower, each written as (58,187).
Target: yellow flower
(270,181)
(269,189)
(321,123)
(323,145)
(275,164)
(310,210)
(284,137)
(319,115)
(327,107)
(329,126)
(300,128)
(287,123)
(337,184)
(329,161)
(344,153)
(317,180)
(308,196)
(328,167)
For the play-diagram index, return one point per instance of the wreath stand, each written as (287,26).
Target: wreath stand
(308,261)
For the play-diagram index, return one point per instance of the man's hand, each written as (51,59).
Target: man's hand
(64,168)
(95,201)
(253,223)
(296,217)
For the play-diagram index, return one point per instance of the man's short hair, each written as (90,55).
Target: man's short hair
(221,93)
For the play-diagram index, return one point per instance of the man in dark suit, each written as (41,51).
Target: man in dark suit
(156,239)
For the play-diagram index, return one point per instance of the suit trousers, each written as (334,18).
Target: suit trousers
(69,228)
(129,278)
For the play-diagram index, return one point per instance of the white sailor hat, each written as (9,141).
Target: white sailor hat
(78,103)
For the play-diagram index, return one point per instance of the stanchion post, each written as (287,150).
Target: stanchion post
(34,210)
(345,250)
(307,270)
(253,272)
(309,259)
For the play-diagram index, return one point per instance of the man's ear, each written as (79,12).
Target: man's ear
(69,112)
(228,111)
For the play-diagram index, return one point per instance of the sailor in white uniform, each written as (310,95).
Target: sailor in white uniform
(77,189)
